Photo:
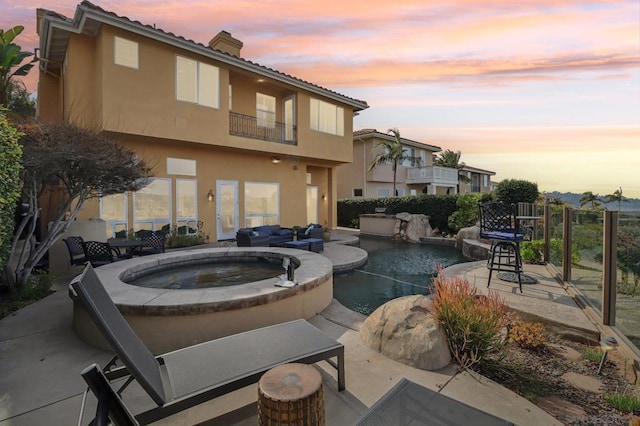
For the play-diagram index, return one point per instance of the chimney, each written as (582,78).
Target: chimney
(224,42)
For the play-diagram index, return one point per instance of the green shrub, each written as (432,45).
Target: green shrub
(38,287)
(10,166)
(437,207)
(473,323)
(516,191)
(532,251)
(466,213)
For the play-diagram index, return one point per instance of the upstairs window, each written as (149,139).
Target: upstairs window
(197,82)
(266,110)
(326,117)
(125,52)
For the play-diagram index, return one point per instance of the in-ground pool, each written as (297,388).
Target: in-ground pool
(211,274)
(393,269)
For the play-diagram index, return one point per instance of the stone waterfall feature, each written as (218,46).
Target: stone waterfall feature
(412,227)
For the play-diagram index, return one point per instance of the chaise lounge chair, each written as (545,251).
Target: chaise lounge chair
(199,373)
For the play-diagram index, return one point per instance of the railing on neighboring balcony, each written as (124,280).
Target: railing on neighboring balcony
(250,127)
(432,174)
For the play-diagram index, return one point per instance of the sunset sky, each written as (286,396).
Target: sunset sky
(542,90)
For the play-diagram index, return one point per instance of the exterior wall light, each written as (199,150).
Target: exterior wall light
(275,160)
(210,195)
(324,197)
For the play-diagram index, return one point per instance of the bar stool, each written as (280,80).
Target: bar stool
(498,223)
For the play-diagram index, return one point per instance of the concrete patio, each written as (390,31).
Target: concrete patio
(41,360)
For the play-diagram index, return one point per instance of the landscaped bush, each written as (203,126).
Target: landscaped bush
(532,251)
(178,239)
(473,324)
(467,211)
(527,335)
(437,207)
(516,191)
(10,166)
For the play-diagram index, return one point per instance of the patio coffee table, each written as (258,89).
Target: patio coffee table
(300,244)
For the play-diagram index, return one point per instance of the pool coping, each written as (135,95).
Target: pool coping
(313,271)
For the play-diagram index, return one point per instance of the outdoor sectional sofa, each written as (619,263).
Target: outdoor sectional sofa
(264,236)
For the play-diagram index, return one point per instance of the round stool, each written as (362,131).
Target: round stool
(291,394)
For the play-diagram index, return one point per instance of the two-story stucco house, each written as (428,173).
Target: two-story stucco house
(414,176)
(478,180)
(233,143)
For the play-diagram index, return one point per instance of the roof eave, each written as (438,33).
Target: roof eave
(84,13)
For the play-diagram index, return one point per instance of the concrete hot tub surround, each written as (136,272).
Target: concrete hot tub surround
(167,319)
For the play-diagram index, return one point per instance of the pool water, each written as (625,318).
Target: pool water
(212,274)
(393,269)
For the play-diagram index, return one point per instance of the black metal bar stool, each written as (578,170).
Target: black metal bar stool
(498,224)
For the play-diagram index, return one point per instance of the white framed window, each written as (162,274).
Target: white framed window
(326,117)
(186,206)
(197,82)
(485,180)
(261,203)
(383,192)
(230,97)
(152,206)
(113,210)
(181,166)
(266,110)
(125,52)
(400,192)
(413,192)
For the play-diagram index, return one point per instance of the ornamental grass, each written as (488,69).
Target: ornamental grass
(474,324)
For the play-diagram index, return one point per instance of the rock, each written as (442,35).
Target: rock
(412,227)
(470,233)
(405,330)
(587,383)
(557,406)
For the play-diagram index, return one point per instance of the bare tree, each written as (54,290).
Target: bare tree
(75,165)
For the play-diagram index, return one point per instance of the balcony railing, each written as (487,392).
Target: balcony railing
(249,127)
(432,174)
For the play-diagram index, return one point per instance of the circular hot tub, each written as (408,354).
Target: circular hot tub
(167,319)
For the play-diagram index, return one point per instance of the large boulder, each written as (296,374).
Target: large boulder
(470,233)
(405,330)
(412,227)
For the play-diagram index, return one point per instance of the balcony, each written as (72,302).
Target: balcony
(435,175)
(249,127)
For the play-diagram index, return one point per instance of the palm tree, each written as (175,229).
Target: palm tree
(590,198)
(10,59)
(617,197)
(451,159)
(390,152)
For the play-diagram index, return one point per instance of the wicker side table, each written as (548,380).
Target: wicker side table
(291,395)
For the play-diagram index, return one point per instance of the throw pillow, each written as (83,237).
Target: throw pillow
(308,231)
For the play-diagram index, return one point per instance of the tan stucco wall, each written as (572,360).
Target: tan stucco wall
(139,107)
(214,164)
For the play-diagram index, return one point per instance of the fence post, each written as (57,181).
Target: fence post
(567,218)
(609,267)
(547,232)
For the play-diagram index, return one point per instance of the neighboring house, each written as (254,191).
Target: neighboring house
(479,180)
(414,176)
(232,143)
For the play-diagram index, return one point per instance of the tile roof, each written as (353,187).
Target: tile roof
(387,136)
(218,54)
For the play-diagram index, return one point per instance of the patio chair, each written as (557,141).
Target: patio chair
(99,253)
(498,224)
(202,372)
(153,244)
(76,252)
